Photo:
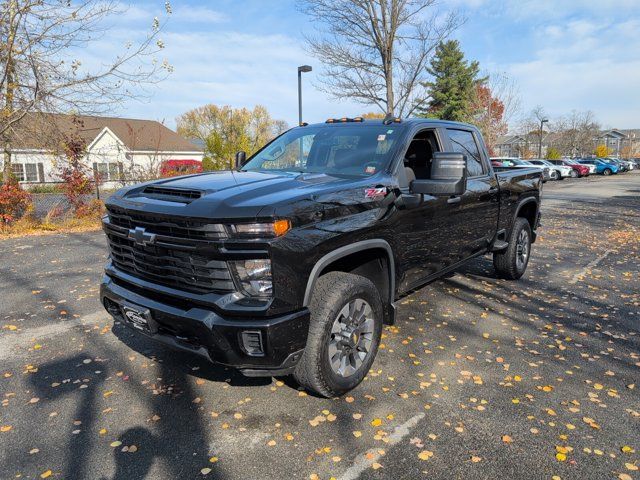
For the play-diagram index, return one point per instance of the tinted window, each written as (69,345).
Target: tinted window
(463,142)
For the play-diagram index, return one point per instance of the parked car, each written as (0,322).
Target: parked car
(293,263)
(557,172)
(172,168)
(577,170)
(622,167)
(519,163)
(603,168)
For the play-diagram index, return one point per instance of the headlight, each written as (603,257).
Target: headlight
(254,277)
(273,229)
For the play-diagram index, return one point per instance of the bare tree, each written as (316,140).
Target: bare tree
(575,133)
(506,90)
(375,51)
(39,71)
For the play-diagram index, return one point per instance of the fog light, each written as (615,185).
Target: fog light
(252,343)
(254,277)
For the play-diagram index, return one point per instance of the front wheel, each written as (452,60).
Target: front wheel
(574,174)
(607,172)
(344,334)
(554,175)
(512,262)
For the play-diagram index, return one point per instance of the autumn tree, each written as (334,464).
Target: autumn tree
(40,71)
(373,115)
(488,116)
(226,130)
(553,154)
(375,51)
(602,151)
(453,85)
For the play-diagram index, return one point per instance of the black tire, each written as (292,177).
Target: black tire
(554,175)
(332,292)
(606,172)
(509,263)
(574,174)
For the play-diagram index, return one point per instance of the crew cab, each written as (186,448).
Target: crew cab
(293,262)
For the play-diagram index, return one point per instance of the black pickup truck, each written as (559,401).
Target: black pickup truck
(292,263)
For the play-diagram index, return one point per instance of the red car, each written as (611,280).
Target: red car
(172,168)
(580,170)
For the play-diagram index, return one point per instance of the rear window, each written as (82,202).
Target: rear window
(464,142)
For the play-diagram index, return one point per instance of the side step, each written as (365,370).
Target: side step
(499,246)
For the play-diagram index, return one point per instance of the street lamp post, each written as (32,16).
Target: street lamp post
(301,69)
(542,122)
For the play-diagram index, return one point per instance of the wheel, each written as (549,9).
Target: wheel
(574,174)
(344,334)
(606,171)
(554,175)
(512,262)
(560,177)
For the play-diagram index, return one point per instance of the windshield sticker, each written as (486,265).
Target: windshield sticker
(370,169)
(389,132)
(382,137)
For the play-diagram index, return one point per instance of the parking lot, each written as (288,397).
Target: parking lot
(480,377)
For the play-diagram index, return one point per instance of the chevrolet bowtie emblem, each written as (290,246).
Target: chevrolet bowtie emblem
(141,237)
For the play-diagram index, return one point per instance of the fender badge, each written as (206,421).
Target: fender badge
(375,193)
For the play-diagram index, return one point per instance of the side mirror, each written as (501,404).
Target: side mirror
(448,176)
(241,157)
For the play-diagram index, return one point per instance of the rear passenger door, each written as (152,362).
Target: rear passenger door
(475,216)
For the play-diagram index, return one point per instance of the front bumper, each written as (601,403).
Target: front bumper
(217,338)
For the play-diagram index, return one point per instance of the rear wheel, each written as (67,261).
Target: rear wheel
(344,334)
(512,262)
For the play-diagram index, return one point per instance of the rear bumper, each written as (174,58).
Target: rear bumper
(217,338)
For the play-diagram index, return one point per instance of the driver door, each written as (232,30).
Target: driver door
(425,232)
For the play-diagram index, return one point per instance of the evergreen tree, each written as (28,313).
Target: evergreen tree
(452,90)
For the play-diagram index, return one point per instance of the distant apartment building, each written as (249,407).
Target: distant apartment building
(620,142)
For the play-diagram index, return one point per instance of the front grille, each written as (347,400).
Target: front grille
(171,227)
(177,264)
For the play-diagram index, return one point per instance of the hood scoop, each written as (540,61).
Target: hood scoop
(171,194)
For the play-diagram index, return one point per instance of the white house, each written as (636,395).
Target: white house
(116,148)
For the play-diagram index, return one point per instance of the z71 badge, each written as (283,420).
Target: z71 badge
(376,193)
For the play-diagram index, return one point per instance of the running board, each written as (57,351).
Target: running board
(499,246)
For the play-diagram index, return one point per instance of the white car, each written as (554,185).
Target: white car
(519,163)
(557,172)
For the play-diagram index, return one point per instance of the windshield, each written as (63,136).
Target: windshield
(359,150)
(520,162)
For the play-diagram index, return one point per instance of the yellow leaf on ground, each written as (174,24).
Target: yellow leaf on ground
(376,422)
(425,455)
(5,428)
(46,474)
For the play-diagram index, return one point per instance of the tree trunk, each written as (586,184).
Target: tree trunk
(9,86)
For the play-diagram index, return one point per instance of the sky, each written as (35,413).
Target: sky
(562,54)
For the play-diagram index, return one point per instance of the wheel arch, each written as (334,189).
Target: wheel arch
(528,209)
(354,258)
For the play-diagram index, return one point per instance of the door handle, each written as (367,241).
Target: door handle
(454,200)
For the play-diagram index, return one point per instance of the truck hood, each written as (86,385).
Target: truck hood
(231,195)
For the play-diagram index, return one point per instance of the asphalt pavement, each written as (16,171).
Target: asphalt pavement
(480,378)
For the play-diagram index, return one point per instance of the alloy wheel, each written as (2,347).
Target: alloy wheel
(522,249)
(351,337)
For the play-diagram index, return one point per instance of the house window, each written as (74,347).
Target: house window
(18,171)
(107,172)
(25,172)
(31,172)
